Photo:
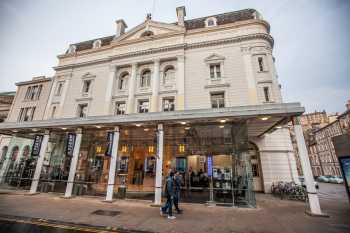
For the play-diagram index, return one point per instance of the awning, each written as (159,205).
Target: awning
(260,119)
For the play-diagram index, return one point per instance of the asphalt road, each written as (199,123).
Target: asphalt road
(333,192)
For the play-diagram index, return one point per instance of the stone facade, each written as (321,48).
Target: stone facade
(216,61)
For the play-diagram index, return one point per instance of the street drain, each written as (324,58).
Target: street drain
(106,212)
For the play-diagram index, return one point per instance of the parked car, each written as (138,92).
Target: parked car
(338,180)
(302,179)
(324,179)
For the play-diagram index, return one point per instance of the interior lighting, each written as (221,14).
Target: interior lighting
(187,128)
(222,121)
(264,118)
(183,122)
(138,125)
(221,126)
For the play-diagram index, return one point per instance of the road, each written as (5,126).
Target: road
(333,192)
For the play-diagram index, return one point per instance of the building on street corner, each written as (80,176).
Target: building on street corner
(198,95)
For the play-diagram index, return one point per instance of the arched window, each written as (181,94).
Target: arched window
(169,73)
(210,22)
(147,33)
(14,153)
(123,80)
(72,49)
(145,80)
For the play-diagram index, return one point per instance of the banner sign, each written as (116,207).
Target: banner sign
(110,136)
(37,145)
(210,166)
(70,144)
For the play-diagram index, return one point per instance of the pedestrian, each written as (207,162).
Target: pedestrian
(169,192)
(177,182)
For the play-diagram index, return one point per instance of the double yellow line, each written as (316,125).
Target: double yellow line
(43,222)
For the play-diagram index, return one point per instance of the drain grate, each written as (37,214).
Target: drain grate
(106,212)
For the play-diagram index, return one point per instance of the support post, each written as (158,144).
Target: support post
(132,84)
(180,83)
(73,164)
(39,163)
(314,203)
(155,87)
(159,166)
(113,165)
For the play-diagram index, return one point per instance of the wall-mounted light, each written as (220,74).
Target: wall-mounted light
(150,149)
(124,148)
(265,118)
(98,149)
(181,148)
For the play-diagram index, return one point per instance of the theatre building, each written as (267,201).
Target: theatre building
(200,96)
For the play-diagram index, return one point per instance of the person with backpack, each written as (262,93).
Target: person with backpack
(170,194)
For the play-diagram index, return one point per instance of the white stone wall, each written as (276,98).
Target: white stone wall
(277,158)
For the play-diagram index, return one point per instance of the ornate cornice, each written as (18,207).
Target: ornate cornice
(185,46)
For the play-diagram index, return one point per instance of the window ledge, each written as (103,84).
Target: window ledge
(213,85)
(264,71)
(84,98)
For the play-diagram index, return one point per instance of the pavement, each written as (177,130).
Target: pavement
(271,215)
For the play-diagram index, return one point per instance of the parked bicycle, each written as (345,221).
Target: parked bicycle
(289,190)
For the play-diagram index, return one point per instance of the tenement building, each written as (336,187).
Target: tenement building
(200,96)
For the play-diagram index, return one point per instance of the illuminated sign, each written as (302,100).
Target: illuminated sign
(210,165)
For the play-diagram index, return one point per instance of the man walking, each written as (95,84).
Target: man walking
(169,192)
(177,182)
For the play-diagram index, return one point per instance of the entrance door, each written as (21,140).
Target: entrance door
(256,171)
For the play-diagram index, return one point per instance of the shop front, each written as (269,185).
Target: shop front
(131,156)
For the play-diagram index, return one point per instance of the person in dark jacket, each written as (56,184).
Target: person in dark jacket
(169,192)
(177,184)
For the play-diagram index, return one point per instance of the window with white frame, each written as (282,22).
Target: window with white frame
(33,92)
(82,110)
(169,74)
(143,106)
(53,112)
(211,22)
(217,100)
(120,108)
(168,104)
(267,94)
(123,80)
(145,80)
(87,86)
(215,71)
(59,88)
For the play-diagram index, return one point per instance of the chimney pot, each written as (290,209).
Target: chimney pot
(181,13)
(121,25)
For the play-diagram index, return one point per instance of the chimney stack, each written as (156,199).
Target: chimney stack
(181,13)
(121,25)
(348,105)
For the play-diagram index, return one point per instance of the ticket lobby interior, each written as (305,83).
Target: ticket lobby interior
(215,157)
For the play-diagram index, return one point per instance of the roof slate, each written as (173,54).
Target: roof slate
(225,18)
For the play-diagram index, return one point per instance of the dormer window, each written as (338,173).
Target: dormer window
(72,49)
(97,44)
(210,22)
(147,33)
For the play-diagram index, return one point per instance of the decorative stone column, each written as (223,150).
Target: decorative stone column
(73,164)
(113,165)
(180,83)
(132,84)
(109,88)
(155,86)
(39,163)
(250,77)
(159,165)
(314,203)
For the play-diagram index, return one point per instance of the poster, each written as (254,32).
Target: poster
(70,144)
(37,145)
(345,164)
(210,166)
(109,143)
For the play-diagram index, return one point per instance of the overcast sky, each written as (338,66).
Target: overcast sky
(312,44)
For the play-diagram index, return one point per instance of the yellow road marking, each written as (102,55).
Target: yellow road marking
(43,222)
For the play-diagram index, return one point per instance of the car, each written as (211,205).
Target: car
(324,179)
(338,180)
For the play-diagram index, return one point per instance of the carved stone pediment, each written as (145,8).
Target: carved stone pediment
(149,29)
(214,57)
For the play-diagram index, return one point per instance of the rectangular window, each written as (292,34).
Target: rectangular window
(59,88)
(20,115)
(261,64)
(215,71)
(143,106)
(217,100)
(53,113)
(86,86)
(29,89)
(32,94)
(32,111)
(267,94)
(37,95)
(120,108)
(168,104)
(82,110)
